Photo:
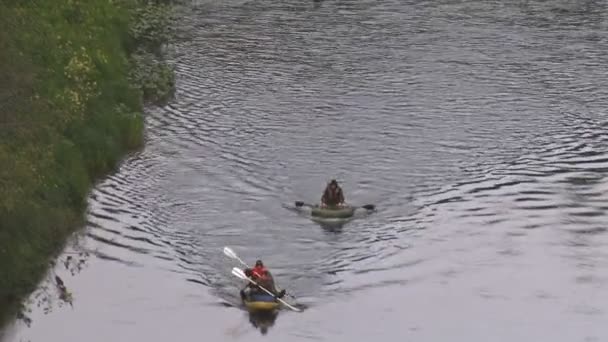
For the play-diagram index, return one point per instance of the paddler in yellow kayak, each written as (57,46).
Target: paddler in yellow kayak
(263,278)
(332,196)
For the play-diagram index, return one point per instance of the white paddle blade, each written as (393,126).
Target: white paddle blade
(239,273)
(229,252)
(292,307)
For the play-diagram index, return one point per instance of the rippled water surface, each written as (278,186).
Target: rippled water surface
(478,129)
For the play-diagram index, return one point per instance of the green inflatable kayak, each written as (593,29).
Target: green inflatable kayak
(344,212)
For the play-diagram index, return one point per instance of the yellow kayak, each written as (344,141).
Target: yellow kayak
(261,302)
(261,306)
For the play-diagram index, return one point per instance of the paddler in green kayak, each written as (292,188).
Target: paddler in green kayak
(332,196)
(263,278)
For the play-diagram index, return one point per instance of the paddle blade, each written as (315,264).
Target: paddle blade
(299,203)
(239,273)
(369,207)
(229,252)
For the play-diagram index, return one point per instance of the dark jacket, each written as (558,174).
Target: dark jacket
(332,198)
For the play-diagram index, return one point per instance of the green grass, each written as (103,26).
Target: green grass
(71,100)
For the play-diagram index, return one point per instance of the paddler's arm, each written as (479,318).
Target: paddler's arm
(324,198)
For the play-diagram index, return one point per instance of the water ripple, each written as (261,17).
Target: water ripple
(477,128)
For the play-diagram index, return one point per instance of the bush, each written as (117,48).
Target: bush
(75,75)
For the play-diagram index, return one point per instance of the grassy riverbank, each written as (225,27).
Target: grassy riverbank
(74,76)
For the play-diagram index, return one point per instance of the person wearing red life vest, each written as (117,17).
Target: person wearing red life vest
(258,271)
(263,278)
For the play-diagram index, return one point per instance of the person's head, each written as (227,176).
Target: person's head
(259,263)
(333,184)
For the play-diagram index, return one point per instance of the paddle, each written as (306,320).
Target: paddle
(366,207)
(231,254)
(239,273)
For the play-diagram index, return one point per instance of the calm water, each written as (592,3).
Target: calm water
(478,129)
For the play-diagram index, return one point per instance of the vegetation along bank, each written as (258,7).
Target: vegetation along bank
(74,77)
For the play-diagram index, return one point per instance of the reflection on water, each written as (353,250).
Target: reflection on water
(263,320)
(477,128)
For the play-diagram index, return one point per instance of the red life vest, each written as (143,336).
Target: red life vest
(259,272)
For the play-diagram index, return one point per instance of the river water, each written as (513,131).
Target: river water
(477,128)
